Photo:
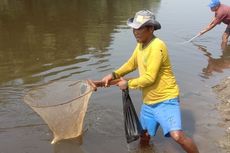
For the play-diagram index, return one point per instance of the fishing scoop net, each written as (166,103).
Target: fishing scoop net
(62,105)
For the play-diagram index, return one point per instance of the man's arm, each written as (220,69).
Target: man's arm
(127,67)
(211,25)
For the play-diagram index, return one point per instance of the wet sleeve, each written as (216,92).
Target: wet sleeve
(152,69)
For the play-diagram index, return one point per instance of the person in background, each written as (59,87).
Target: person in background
(222,14)
(160,92)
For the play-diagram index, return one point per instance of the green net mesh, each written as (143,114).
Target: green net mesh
(62,105)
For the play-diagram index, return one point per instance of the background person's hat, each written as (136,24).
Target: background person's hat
(214,3)
(143,18)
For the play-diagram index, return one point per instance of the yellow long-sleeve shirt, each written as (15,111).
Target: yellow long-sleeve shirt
(156,79)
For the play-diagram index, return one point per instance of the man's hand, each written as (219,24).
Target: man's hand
(201,32)
(209,27)
(123,84)
(107,79)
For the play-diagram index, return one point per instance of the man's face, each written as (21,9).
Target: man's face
(143,34)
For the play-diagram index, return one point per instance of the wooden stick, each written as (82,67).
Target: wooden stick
(96,83)
(102,84)
(92,84)
(192,38)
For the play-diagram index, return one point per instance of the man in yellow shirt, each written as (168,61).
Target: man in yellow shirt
(156,81)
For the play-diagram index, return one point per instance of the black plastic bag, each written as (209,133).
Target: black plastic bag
(132,124)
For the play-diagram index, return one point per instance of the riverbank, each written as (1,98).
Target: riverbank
(223,93)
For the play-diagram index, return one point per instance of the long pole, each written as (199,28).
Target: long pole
(192,38)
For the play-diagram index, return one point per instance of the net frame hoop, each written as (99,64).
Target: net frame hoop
(69,101)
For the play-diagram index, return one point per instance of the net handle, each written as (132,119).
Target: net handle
(99,83)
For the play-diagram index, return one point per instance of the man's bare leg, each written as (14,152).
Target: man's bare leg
(224,42)
(185,142)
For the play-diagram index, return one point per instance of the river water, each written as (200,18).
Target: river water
(50,40)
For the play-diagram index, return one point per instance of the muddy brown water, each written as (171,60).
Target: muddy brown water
(48,40)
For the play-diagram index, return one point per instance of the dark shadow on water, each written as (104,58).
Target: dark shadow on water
(214,64)
(188,122)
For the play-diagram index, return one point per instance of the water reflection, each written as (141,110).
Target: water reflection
(50,40)
(35,34)
(142,149)
(215,64)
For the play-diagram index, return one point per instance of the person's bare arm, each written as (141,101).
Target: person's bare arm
(211,25)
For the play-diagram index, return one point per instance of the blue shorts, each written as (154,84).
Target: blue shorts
(167,114)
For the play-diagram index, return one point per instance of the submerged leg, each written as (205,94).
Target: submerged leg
(144,139)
